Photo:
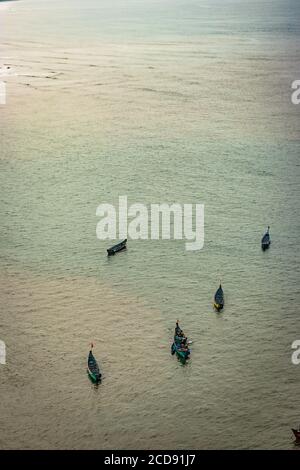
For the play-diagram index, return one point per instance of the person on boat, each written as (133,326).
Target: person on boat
(178,339)
(178,330)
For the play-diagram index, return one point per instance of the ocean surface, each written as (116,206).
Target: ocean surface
(183,101)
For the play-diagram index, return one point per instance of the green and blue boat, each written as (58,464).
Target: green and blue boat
(93,368)
(180,345)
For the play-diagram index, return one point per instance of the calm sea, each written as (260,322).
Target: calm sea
(183,101)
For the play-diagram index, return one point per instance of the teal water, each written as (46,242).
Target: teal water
(178,101)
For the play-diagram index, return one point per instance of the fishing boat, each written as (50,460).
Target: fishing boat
(93,368)
(180,345)
(296,433)
(119,247)
(266,240)
(219,299)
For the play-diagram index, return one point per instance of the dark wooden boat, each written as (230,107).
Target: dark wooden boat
(119,247)
(297,435)
(219,299)
(182,352)
(266,240)
(93,368)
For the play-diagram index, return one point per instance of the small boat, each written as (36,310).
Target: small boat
(119,247)
(266,240)
(93,368)
(297,435)
(182,351)
(219,299)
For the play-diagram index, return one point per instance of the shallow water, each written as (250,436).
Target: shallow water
(184,103)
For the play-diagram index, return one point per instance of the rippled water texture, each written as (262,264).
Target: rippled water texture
(162,101)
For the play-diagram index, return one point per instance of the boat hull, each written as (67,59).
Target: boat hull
(116,248)
(111,252)
(93,377)
(93,369)
(266,241)
(182,355)
(219,299)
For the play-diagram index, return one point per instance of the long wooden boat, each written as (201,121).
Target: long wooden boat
(266,240)
(182,353)
(219,299)
(118,247)
(93,368)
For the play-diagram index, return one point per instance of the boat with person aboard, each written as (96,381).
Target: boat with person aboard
(219,299)
(180,345)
